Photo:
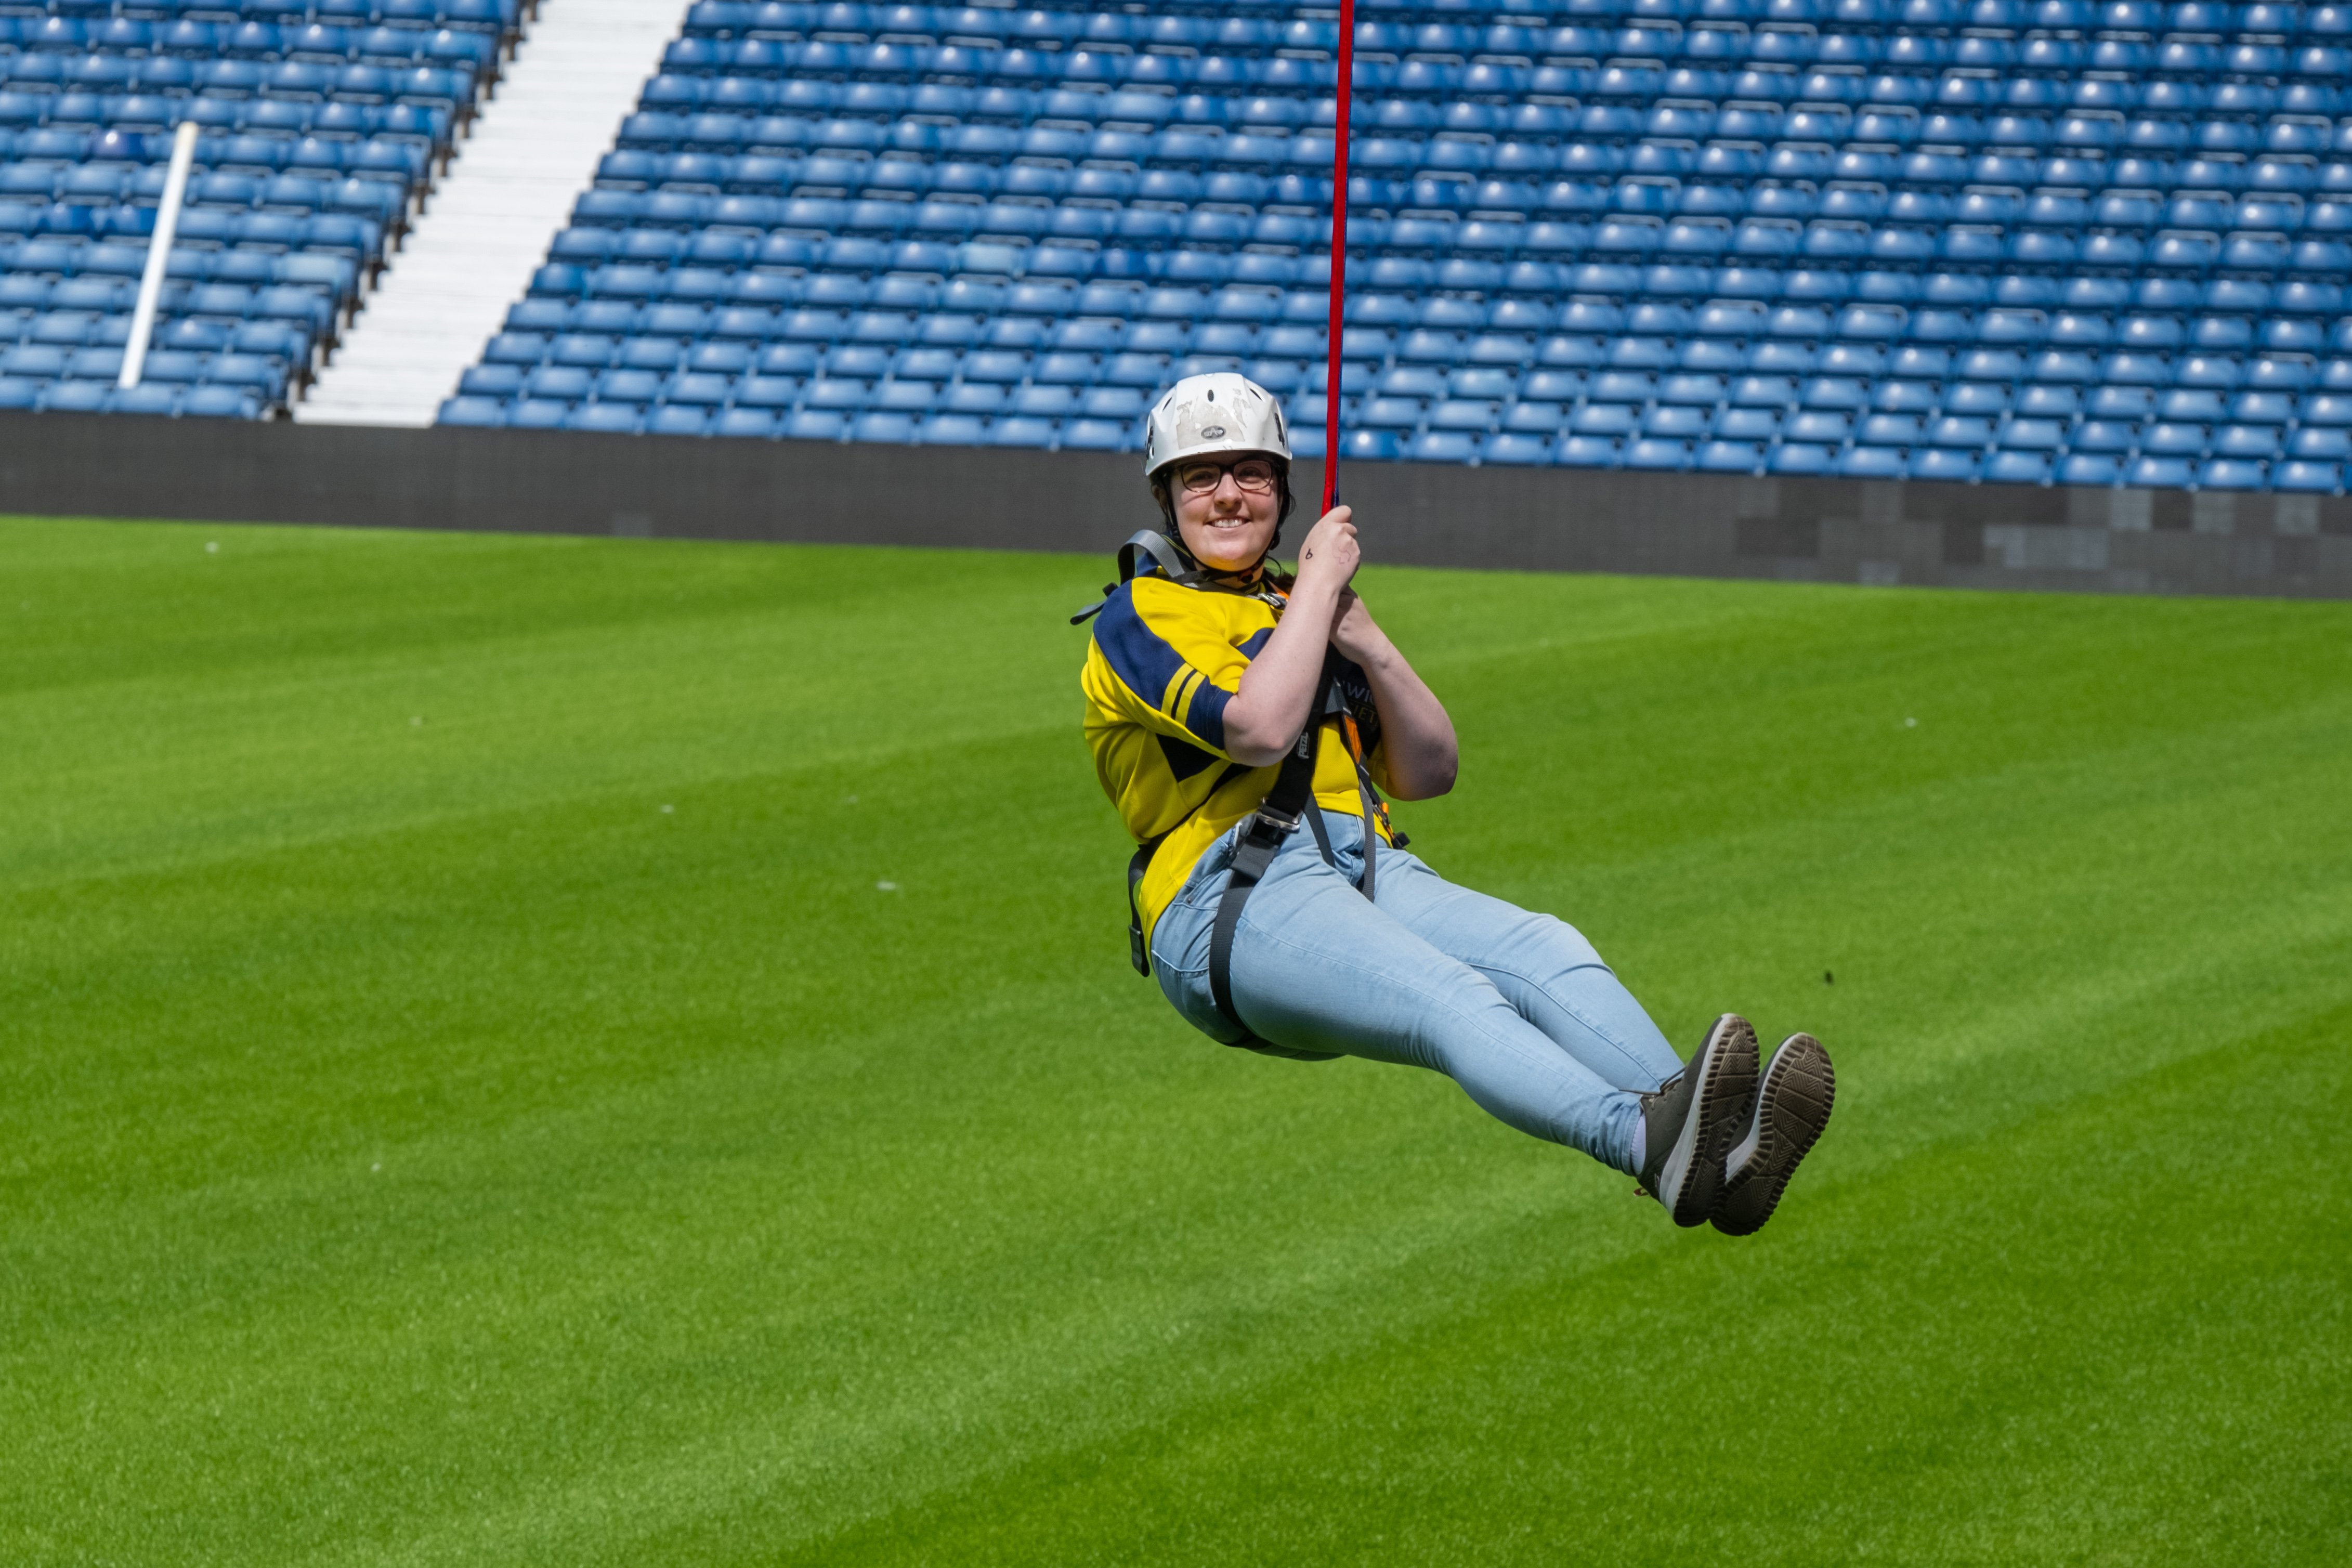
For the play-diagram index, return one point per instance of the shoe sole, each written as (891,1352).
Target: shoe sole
(1727,1068)
(1791,1108)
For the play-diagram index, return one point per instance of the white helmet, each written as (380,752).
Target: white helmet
(1219,412)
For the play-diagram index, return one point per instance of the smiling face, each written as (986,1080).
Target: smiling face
(1227,522)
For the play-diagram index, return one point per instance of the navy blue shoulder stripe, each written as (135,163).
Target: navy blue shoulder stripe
(1138,655)
(1146,663)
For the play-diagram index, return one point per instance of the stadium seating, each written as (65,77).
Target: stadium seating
(2090,243)
(319,123)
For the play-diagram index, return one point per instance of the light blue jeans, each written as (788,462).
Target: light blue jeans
(1515,1007)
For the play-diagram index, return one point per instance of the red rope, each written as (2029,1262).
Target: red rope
(1347,83)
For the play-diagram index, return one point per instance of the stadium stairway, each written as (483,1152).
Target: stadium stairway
(473,252)
(320,130)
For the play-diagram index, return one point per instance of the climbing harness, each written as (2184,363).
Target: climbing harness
(1261,834)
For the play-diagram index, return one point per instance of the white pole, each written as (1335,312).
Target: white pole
(158,254)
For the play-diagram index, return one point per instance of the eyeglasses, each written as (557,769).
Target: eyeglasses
(1255,475)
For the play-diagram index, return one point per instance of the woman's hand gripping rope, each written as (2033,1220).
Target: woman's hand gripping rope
(1266,716)
(1423,754)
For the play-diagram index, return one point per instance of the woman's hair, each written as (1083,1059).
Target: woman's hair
(1164,494)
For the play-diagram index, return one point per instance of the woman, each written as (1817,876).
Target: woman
(1229,705)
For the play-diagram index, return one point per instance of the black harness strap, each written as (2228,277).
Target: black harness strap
(1262,835)
(1371,838)
(1275,819)
(1322,833)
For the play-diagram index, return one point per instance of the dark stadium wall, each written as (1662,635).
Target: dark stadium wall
(1566,520)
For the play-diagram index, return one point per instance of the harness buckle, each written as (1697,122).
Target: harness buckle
(1268,819)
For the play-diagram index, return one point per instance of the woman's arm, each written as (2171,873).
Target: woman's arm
(1423,756)
(1265,717)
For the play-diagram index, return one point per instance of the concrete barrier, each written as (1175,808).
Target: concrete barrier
(1552,519)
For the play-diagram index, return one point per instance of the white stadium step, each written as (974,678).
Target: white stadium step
(508,192)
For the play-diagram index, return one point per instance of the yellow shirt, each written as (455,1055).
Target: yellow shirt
(1164,661)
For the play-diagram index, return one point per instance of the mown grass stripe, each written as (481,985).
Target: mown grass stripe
(416,1145)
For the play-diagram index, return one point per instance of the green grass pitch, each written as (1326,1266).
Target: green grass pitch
(575,1052)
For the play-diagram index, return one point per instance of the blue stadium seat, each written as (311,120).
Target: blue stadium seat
(2327,408)
(1588,451)
(1117,404)
(813,425)
(2117,400)
(588,349)
(1873,462)
(2258,442)
(1095,435)
(2028,434)
(1801,457)
(649,353)
(672,419)
(1441,446)
(611,418)
(629,386)
(2315,443)
(2080,468)
(536,414)
(71,396)
(766,392)
(1514,447)
(2297,475)
(555,383)
(1534,415)
(1730,455)
(698,387)
(2017,467)
(1947,464)
(890,427)
(517,348)
(148,398)
(489,383)
(214,401)
(974,399)
(2154,472)
(1020,430)
(952,429)
(739,420)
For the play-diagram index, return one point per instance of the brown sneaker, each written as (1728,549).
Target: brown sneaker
(1791,1108)
(1690,1121)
